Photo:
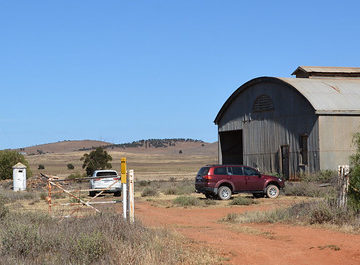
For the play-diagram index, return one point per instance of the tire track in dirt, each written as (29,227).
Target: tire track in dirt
(254,243)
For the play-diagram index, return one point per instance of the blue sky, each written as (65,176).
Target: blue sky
(120,71)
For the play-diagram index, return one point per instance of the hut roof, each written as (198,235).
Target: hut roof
(19,165)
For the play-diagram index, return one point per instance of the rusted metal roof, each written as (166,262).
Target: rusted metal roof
(325,71)
(327,96)
(332,96)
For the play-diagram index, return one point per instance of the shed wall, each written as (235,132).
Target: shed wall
(336,135)
(265,132)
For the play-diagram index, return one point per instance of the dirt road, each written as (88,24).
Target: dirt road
(254,243)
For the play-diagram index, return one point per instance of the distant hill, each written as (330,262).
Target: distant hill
(149,143)
(170,146)
(61,147)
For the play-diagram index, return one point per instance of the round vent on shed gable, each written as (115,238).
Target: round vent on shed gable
(263,103)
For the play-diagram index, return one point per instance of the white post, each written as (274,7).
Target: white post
(343,185)
(124,195)
(131,196)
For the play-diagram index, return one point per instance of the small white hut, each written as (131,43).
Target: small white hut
(19,176)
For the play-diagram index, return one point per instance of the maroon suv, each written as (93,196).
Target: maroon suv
(225,180)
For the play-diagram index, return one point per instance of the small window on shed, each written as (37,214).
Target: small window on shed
(263,103)
(303,149)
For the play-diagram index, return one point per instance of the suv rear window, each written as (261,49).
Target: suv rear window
(106,173)
(237,170)
(203,171)
(220,171)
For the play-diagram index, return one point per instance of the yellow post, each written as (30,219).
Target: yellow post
(123,170)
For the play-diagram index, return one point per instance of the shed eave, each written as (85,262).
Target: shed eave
(337,112)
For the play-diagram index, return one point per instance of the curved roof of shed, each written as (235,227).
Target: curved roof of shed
(327,96)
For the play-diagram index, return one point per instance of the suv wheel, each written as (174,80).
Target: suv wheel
(92,193)
(224,193)
(272,191)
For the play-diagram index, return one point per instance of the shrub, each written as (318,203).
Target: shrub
(171,191)
(143,183)
(41,166)
(22,240)
(210,202)
(3,209)
(76,175)
(43,196)
(185,189)
(320,214)
(179,190)
(8,159)
(354,187)
(242,201)
(70,166)
(186,201)
(89,247)
(309,189)
(149,192)
(324,176)
(172,179)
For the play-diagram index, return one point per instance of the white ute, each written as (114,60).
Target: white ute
(102,179)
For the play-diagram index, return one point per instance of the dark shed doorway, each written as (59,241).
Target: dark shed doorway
(231,147)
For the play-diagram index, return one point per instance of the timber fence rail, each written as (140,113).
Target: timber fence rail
(56,185)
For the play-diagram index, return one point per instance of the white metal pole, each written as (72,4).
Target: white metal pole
(124,195)
(123,181)
(131,196)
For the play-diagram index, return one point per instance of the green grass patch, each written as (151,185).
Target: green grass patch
(186,201)
(242,201)
(149,192)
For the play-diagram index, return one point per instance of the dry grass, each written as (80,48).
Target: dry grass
(314,212)
(252,231)
(36,238)
(147,166)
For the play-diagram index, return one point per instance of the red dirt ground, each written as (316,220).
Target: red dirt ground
(254,243)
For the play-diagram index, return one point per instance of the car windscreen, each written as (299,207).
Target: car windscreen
(203,171)
(106,173)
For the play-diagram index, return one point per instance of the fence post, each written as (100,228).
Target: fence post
(131,196)
(49,195)
(343,185)
(123,181)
